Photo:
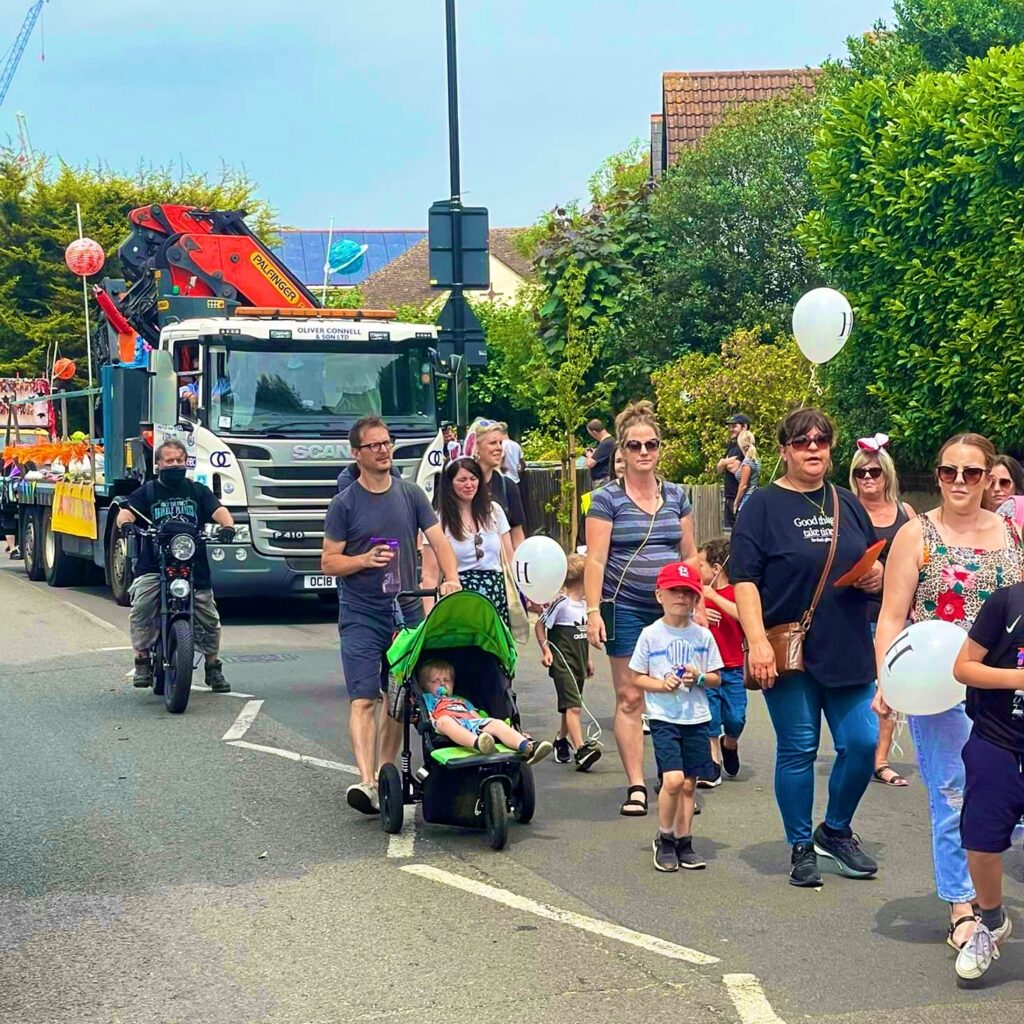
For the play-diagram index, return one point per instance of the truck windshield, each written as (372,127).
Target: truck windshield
(253,390)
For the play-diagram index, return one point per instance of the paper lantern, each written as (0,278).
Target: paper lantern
(84,257)
(64,369)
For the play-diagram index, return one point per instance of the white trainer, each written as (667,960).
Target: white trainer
(981,949)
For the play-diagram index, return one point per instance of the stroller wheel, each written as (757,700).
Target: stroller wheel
(495,814)
(524,799)
(389,790)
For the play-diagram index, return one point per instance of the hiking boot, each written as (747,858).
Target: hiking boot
(563,750)
(587,756)
(688,858)
(215,677)
(730,761)
(978,952)
(362,797)
(143,673)
(845,850)
(665,856)
(805,867)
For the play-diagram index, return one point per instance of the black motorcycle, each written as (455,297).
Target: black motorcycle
(176,543)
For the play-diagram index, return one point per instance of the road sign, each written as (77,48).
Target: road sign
(450,224)
(472,342)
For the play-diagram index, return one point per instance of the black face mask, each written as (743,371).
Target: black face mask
(172,476)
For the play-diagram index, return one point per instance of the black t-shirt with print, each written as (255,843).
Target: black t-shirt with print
(193,502)
(781,544)
(998,715)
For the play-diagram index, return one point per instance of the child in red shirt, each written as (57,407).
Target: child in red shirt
(728,701)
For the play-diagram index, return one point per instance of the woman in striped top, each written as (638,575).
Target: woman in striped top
(634,527)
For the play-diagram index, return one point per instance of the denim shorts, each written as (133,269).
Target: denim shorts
(682,748)
(629,622)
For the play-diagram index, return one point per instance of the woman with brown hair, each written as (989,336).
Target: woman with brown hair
(943,565)
(635,526)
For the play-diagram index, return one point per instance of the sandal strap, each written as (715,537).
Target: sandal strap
(966,919)
(630,790)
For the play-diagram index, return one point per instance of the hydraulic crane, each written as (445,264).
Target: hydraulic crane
(14,55)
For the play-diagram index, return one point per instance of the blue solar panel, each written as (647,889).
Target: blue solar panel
(304,253)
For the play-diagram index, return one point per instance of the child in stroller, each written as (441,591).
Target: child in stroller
(456,718)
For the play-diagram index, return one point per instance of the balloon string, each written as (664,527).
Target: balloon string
(815,386)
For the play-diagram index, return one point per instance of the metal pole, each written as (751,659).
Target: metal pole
(88,359)
(453,99)
(327,263)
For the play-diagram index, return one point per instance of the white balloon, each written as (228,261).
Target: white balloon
(539,567)
(917,670)
(822,321)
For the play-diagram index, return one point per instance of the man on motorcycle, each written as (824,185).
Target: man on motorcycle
(171,494)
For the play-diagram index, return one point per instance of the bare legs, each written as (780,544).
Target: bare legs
(629,729)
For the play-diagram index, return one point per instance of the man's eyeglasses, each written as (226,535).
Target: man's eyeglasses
(803,442)
(971,475)
(643,446)
(865,472)
(376,446)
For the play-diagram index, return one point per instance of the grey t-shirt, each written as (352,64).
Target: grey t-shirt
(357,515)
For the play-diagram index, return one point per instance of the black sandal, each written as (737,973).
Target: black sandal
(966,919)
(634,806)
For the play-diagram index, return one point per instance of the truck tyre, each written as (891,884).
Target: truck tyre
(31,548)
(119,567)
(62,569)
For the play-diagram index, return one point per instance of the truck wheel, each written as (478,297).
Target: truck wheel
(119,567)
(31,549)
(62,569)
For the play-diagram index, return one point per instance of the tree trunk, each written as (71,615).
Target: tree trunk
(570,469)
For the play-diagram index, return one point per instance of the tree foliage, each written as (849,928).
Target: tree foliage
(921,224)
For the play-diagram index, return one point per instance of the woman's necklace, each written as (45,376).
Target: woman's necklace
(806,494)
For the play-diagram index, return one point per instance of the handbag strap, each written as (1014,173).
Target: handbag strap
(820,589)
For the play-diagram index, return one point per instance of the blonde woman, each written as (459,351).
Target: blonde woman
(488,450)
(873,480)
(748,474)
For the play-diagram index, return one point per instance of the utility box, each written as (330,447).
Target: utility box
(447,221)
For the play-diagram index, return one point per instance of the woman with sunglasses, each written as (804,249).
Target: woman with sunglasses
(478,531)
(489,450)
(873,479)
(635,526)
(943,565)
(779,551)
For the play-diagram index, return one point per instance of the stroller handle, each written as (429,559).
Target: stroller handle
(435,593)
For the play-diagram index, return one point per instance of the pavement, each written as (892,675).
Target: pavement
(153,869)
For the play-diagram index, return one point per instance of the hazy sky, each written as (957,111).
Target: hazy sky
(338,108)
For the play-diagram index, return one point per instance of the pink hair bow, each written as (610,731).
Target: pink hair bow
(873,444)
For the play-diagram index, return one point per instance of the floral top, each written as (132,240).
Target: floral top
(955,582)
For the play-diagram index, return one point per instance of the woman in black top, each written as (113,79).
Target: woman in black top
(873,479)
(778,551)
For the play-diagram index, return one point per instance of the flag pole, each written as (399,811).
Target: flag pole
(327,263)
(88,359)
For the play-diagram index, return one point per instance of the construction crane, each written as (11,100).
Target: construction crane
(15,53)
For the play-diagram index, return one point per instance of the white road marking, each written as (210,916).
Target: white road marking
(245,718)
(749,999)
(403,845)
(201,688)
(291,755)
(587,924)
(128,648)
(94,619)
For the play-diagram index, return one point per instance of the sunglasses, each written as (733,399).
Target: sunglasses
(971,475)
(478,546)
(874,472)
(643,446)
(377,446)
(803,442)
(1002,482)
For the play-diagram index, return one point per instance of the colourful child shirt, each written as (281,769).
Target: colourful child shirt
(442,703)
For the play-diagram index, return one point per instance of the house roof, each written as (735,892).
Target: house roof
(304,251)
(693,102)
(406,279)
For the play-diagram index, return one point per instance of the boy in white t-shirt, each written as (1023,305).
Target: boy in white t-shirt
(675,660)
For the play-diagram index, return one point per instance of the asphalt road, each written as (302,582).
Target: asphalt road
(151,871)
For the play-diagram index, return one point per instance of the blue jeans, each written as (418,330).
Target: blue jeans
(939,740)
(796,704)
(728,704)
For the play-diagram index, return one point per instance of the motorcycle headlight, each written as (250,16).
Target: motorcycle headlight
(180,588)
(183,547)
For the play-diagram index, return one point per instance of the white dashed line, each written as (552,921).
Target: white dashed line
(241,724)
(749,999)
(587,924)
(114,648)
(404,844)
(291,755)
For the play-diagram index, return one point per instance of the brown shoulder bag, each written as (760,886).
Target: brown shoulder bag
(787,639)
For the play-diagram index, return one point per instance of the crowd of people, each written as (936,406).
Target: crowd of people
(690,632)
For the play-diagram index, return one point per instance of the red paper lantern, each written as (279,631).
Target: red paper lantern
(64,369)
(84,257)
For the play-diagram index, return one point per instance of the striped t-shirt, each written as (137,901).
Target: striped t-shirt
(629,527)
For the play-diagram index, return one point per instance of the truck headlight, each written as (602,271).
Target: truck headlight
(180,588)
(183,547)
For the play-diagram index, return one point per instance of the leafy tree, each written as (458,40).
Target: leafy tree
(697,393)
(920,224)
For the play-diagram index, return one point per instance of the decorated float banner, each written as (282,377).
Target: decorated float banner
(74,510)
(162,432)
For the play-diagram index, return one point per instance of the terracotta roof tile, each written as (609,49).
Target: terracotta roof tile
(695,101)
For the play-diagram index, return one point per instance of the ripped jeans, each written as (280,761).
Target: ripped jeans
(939,740)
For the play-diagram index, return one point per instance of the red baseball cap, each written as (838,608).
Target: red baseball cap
(679,574)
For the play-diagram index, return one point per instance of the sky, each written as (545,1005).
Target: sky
(338,109)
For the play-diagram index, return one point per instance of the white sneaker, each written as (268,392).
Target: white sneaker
(981,949)
(362,797)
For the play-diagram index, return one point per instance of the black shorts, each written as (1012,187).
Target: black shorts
(993,796)
(682,748)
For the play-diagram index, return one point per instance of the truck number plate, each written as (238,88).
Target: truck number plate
(320,583)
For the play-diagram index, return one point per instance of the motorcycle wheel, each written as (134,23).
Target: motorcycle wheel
(178,684)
